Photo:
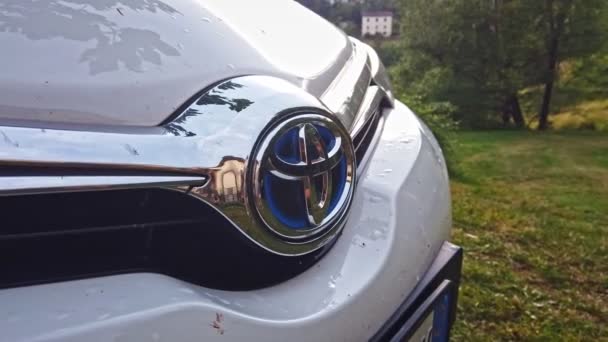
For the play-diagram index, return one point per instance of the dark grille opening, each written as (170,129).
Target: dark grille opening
(364,138)
(56,237)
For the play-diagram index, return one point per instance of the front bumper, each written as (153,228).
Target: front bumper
(399,222)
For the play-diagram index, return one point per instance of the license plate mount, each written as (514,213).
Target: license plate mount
(430,322)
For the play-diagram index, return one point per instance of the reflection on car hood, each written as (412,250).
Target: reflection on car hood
(133,62)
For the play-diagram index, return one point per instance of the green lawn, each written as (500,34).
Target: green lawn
(531,211)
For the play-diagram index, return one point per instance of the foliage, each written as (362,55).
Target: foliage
(321,7)
(589,73)
(592,115)
(438,117)
(596,121)
(350,28)
(478,55)
(530,212)
(345,12)
(389,51)
(584,31)
(375,5)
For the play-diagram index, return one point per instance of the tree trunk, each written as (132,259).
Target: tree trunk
(512,109)
(556,28)
(518,117)
(506,112)
(543,116)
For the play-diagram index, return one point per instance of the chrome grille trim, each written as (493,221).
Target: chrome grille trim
(347,92)
(368,128)
(369,107)
(373,134)
(205,151)
(31,185)
(361,86)
(194,153)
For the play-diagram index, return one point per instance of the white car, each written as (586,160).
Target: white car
(184,170)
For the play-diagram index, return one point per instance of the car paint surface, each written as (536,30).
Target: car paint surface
(135,62)
(399,221)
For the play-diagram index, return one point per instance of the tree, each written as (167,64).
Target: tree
(570,28)
(321,7)
(478,49)
(375,5)
(478,54)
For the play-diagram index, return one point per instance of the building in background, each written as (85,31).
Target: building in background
(377,23)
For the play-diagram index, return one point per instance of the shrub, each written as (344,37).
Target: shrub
(438,117)
(591,115)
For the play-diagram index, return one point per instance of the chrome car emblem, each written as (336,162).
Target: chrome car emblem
(303,176)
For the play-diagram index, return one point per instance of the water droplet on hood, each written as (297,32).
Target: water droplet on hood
(62,316)
(377,234)
(375,199)
(333,280)
(186,290)
(102,317)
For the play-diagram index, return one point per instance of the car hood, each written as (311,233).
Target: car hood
(135,62)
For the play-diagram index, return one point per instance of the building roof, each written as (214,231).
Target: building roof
(377,14)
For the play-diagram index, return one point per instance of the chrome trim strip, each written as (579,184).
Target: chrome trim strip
(380,75)
(29,185)
(369,107)
(372,146)
(346,93)
(366,132)
(61,149)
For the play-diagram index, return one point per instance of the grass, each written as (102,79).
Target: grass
(531,211)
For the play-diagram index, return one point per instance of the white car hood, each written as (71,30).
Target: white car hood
(134,62)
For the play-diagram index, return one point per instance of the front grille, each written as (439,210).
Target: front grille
(53,237)
(363,140)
